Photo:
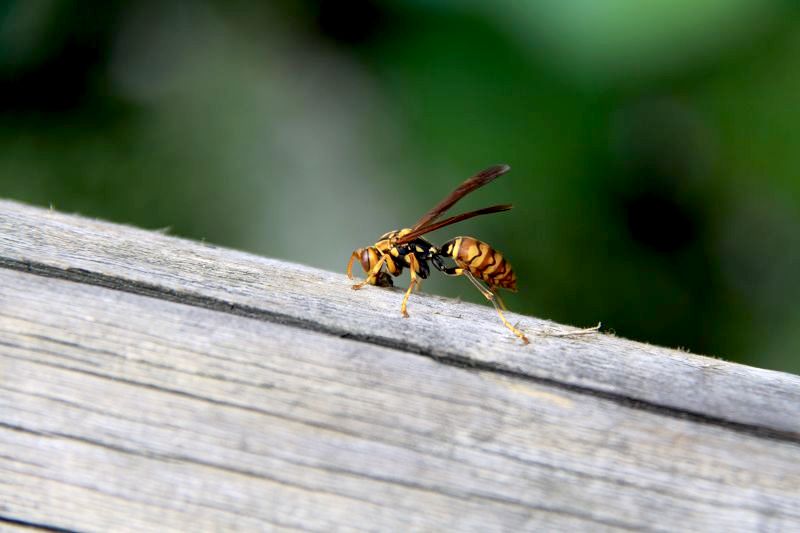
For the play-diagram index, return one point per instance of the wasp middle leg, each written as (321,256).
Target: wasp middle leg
(414,267)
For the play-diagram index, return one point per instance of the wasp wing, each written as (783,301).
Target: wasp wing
(478,180)
(408,237)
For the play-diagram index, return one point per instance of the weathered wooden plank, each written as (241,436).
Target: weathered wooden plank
(119,411)
(240,283)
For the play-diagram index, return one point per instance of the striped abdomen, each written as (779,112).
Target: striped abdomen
(481,260)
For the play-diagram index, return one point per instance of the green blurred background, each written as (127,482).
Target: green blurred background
(654,145)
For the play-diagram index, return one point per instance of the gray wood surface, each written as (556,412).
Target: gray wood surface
(153,264)
(152,383)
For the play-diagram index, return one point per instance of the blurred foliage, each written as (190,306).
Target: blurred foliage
(653,144)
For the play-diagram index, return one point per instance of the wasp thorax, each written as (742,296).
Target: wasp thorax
(392,236)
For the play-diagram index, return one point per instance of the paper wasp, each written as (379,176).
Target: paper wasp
(475,260)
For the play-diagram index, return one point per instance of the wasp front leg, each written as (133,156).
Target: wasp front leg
(372,274)
(355,255)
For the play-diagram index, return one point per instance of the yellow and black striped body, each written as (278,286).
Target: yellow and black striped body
(482,261)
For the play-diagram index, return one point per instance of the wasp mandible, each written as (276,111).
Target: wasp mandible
(477,261)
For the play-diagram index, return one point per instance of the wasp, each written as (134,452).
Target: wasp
(477,261)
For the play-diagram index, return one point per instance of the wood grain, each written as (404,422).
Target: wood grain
(125,412)
(241,284)
(153,383)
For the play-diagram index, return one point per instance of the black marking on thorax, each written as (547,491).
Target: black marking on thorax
(422,250)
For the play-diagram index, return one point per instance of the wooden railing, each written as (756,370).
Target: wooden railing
(153,383)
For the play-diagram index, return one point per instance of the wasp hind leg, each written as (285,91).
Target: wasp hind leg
(500,301)
(493,297)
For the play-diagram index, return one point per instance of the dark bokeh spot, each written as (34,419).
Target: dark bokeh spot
(58,84)
(74,58)
(661,153)
(349,21)
(658,221)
